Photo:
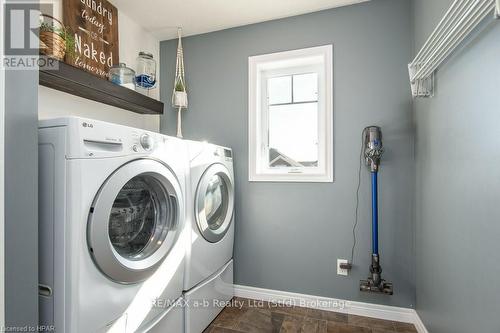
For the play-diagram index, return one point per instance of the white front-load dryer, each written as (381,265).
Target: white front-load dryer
(112,229)
(208,280)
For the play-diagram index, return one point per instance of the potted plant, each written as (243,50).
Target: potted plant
(180,95)
(55,39)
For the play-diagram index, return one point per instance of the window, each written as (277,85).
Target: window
(291,116)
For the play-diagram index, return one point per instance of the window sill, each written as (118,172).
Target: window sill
(291,178)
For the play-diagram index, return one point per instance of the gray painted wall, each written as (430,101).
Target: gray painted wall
(21,198)
(289,235)
(458,185)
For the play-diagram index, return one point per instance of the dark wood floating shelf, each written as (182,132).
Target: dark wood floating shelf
(80,83)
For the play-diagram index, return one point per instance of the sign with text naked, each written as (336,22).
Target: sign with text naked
(95,27)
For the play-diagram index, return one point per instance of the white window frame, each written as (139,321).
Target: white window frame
(315,59)
(2,174)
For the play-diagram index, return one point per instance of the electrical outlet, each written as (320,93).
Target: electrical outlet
(341,271)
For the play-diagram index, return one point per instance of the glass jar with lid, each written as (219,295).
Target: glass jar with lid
(122,75)
(146,72)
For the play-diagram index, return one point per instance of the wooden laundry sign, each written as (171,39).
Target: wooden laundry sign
(95,27)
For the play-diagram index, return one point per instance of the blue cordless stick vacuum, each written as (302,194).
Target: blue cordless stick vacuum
(373,151)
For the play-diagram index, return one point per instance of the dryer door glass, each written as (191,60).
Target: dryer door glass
(139,220)
(216,201)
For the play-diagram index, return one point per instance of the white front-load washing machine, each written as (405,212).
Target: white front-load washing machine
(112,231)
(208,279)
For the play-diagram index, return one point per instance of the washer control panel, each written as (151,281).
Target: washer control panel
(97,139)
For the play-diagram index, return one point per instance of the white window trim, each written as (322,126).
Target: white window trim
(257,67)
(2,161)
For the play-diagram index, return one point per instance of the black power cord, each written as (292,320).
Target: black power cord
(351,262)
(357,198)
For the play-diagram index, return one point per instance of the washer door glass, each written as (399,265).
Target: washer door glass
(138,223)
(214,202)
(135,220)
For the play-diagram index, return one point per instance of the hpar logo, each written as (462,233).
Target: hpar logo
(21,23)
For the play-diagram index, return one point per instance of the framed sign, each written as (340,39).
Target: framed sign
(95,27)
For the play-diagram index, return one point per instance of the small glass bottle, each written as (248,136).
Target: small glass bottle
(122,75)
(145,78)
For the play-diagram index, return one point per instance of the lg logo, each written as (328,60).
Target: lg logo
(84,124)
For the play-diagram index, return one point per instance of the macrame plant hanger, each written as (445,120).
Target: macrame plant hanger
(179,95)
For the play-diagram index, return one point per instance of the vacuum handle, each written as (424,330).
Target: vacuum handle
(374,213)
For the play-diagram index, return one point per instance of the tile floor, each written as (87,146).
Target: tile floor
(250,316)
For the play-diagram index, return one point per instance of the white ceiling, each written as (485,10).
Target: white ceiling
(162,17)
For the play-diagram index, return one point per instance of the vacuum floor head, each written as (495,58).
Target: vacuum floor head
(375,283)
(382,288)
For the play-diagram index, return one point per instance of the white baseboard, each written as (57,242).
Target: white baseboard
(419,324)
(331,304)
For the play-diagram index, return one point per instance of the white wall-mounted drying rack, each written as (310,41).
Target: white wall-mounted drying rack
(459,21)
